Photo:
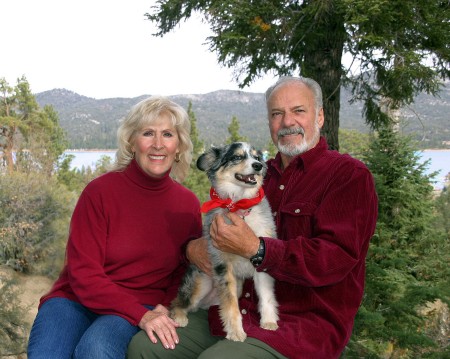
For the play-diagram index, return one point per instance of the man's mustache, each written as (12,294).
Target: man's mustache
(291,131)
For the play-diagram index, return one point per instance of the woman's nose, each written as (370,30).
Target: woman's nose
(157,143)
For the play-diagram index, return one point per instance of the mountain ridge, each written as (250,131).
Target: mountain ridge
(92,123)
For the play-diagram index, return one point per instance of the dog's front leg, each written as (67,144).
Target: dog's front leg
(229,305)
(194,288)
(267,304)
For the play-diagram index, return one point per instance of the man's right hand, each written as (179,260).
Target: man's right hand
(197,254)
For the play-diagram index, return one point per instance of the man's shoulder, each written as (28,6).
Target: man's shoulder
(344,159)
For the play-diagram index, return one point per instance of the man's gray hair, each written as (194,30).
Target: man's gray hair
(310,83)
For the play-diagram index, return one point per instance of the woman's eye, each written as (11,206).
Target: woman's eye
(168,134)
(148,133)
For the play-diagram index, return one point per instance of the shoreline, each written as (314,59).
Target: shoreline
(436,150)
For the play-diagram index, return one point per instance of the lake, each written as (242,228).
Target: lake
(440,161)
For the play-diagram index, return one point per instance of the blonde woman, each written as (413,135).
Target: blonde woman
(125,252)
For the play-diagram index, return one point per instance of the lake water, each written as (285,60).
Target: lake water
(440,161)
(88,158)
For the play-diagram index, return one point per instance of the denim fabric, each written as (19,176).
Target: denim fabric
(65,329)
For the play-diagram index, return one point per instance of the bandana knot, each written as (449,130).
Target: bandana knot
(242,204)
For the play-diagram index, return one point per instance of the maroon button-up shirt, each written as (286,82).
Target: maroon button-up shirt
(325,207)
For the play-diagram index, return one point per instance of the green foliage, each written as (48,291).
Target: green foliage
(196,181)
(353,142)
(33,222)
(402,184)
(407,259)
(271,150)
(32,133)
(12,325)
(400,48)
(233,130)
(76,179)
(442,212)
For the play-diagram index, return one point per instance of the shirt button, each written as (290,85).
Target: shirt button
(281,187)
(247,295)
(274,214)
(265,270)
(297,210)
(243,311)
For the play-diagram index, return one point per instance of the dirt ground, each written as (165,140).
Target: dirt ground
(31,288)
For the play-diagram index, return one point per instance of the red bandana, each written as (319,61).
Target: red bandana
(245,203)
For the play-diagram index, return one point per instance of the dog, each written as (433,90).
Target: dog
(236,172)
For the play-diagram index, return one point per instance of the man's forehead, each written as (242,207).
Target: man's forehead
(291,95)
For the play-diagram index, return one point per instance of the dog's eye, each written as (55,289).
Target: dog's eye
(236,158)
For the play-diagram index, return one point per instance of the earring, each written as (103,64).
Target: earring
(177,157)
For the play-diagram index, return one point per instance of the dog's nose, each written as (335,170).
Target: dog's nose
(257,166)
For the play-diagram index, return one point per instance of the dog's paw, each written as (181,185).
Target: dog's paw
(237,337)
(180,318)
(269,326)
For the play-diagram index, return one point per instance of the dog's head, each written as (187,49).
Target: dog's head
(236,170)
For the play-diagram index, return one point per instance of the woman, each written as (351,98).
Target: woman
(125,253)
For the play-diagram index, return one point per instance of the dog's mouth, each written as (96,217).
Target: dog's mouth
(249,179)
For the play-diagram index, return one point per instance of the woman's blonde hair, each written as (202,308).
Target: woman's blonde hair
(144,114)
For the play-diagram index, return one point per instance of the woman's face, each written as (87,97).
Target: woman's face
(156,145)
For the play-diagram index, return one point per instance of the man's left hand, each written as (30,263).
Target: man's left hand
(236,237)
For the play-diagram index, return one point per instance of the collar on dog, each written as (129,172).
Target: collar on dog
(244,203)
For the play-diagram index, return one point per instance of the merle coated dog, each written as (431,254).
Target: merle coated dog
(236,172)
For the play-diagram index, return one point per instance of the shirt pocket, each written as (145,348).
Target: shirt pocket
(297,219)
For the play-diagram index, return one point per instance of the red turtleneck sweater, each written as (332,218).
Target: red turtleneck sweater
(126,242)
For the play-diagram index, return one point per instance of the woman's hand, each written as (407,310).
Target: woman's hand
(157,321)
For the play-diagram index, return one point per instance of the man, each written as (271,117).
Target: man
(325,208)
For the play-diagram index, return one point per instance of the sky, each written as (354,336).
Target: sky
(106,48)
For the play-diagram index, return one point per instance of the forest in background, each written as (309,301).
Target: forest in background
(404,313)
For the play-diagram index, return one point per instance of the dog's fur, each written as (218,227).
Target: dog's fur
(236,171)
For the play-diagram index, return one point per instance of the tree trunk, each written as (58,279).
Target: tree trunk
(324,66)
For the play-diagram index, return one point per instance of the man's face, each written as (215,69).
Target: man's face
(293,125)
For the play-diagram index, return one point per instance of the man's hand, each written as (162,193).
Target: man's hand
(157,322)
(197,254)
(236,237)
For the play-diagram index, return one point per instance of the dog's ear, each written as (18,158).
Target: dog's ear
(209,159)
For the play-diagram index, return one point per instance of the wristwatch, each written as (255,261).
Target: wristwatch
(257,259)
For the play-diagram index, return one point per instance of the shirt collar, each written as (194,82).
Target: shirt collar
(305,160)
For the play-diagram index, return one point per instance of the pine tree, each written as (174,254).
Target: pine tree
(406,255)
(197,181)
(233,130)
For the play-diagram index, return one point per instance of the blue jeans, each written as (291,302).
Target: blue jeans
(65,329)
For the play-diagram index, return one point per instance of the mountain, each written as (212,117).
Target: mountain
(92,123)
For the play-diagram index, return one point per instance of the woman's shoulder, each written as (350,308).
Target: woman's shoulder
(104,182)
(185,192)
